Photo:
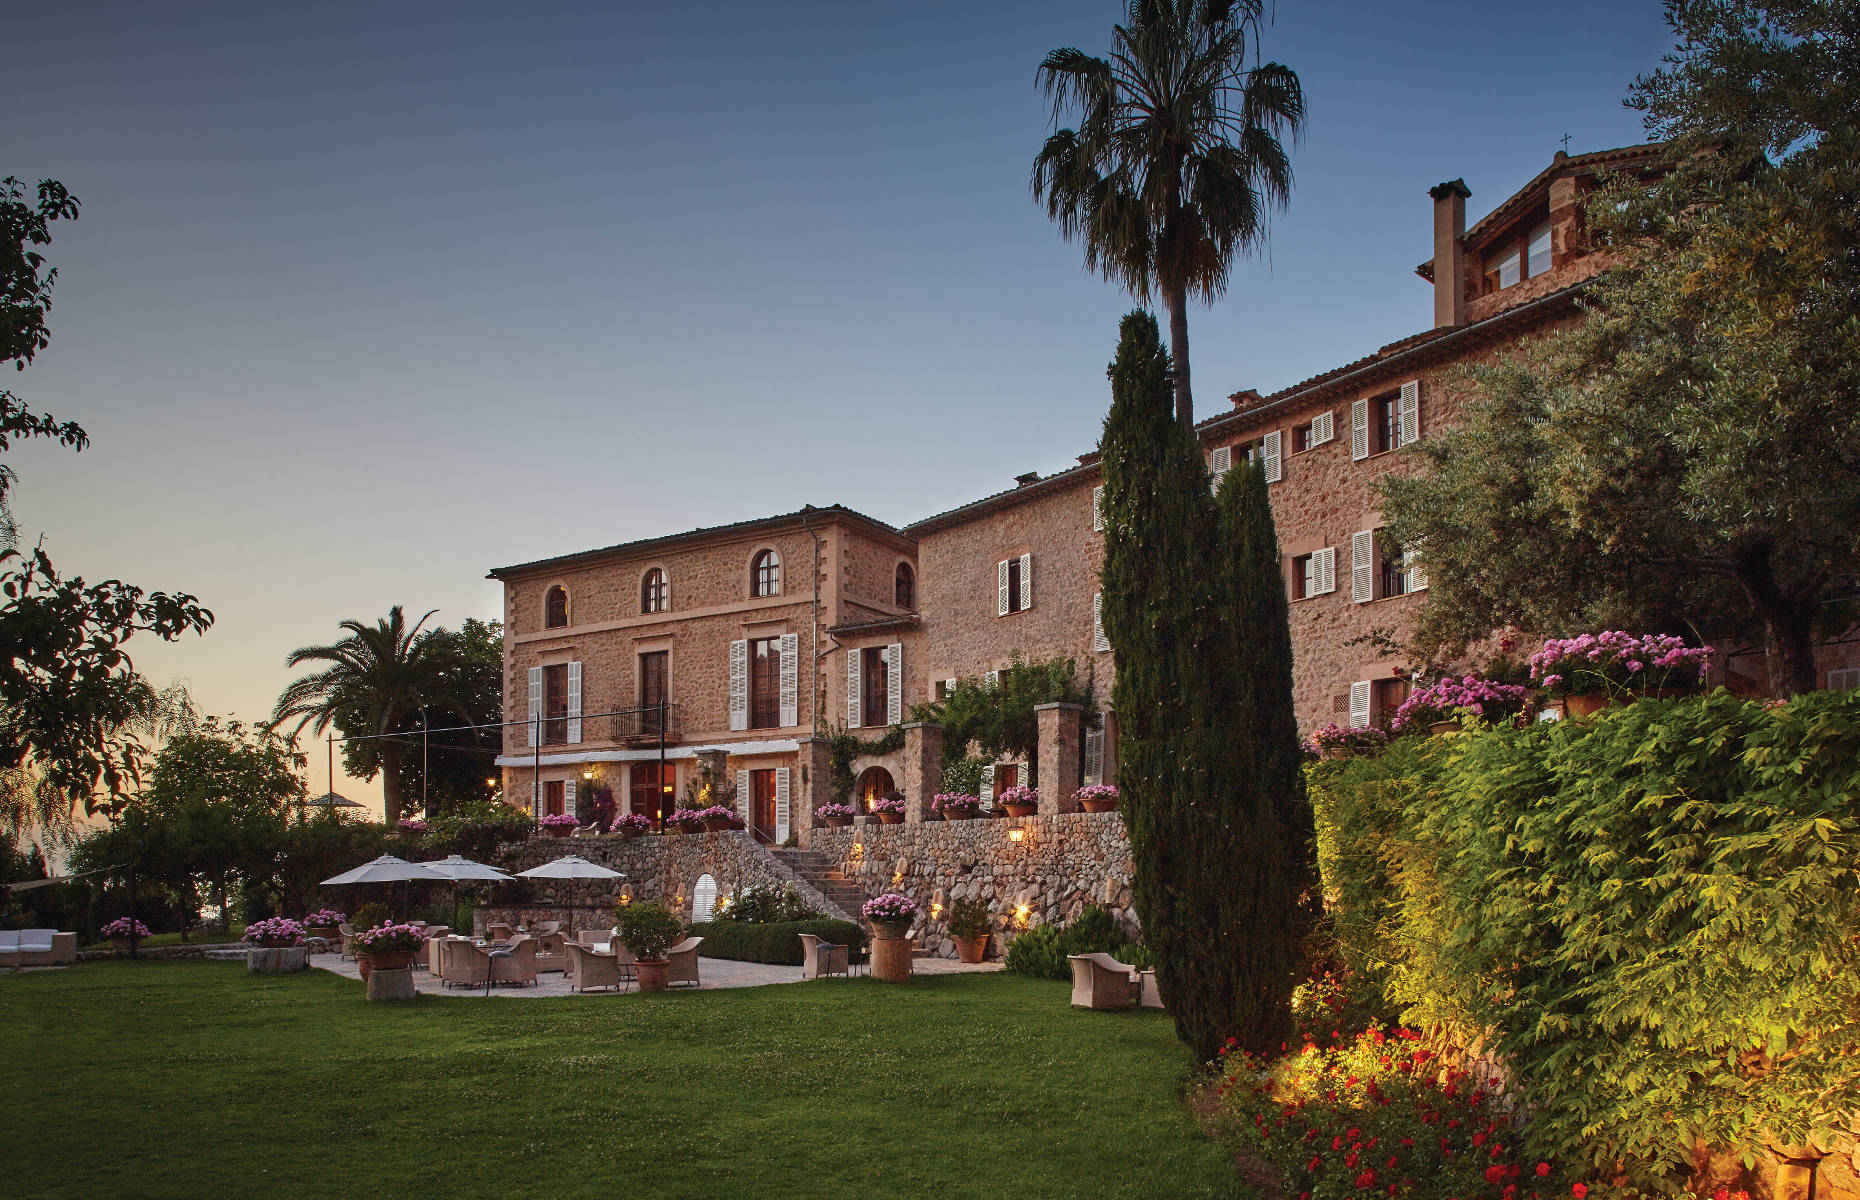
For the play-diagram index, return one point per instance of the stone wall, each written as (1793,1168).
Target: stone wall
(662,869)
(1064,862)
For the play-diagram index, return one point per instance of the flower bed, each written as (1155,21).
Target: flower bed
(275,933)
(1618,662)
(1447,698)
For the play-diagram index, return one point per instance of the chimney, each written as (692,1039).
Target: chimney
(1449,252)
(1021,481)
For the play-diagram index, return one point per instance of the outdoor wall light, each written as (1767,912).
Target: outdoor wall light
(1017,835)
(588,774)
(1021,913)
(936,910)
(858,851)
(491,782)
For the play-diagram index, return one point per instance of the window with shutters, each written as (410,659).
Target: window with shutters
(1385,696)
(1314,574)
(1385,423)
(765,683)
(1301,578)
(905,592)
(555,705)
(555,798)
(762,804)
(555,608)
(1007,775)
(644,793)
(765,574)
(1319,430)
(654,592)
(1013,585)
(655,687)
(1396,573)
(874,685)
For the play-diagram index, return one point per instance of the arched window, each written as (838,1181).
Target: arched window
(765,574)
(874,784)
(654,593)
(907,587)
(555,607)
(703,898)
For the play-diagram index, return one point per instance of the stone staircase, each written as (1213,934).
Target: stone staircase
(820,872)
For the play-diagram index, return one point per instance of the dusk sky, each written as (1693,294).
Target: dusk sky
(366,300)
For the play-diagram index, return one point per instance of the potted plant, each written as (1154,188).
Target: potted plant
(891,914)
(1097,797)
(324,923)
(387,948)
(1020,800)
(1334,741)
(121,930)
(716,818)
(1590,672)
(690,820)
(889,809)
(275,946)
(648,930)
(632,825)
(1442,702)
(954,806)
(968,928)
(835,814)
(558,824)
(411,826)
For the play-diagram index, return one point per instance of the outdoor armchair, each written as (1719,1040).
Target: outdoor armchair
(682,962)
(497,931)
(820,958)
(463,964)
(346,932)
(1100,981)
(519,965)
(590,970)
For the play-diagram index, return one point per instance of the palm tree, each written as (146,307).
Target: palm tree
(378,676)
(1177,159)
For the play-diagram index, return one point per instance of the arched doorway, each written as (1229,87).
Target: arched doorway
(874,784)
(703,898)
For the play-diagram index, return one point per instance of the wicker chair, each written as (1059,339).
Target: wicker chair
(497,931)
(588,970)
(1100,981)
(346,932)
(546,928)
(518,966)
(820,959)
(463,964)
(682,962)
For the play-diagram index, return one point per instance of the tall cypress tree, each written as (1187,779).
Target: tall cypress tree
(1208,767)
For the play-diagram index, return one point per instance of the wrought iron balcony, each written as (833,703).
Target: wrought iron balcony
(646,724)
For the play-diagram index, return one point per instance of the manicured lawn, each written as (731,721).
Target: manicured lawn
(195,1079)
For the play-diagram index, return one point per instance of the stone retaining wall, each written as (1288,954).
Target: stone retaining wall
(1063,863)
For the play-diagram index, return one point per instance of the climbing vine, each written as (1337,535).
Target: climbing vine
(843,748)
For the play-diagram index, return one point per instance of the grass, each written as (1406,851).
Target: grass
(206,935)
(191,1079)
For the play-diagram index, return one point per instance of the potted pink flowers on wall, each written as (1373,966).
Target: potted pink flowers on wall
(1593,670)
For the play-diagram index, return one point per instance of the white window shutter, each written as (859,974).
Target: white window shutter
(1323,428)
(1323,579)
(1359,704)
(988,783)
(782,797)
(574,703)
(739,684)
(894,683)
(854,689)
(1359,430)
(1220,461)
(742,795)
(991,679)
(1417,574)
(1272,450)
(568,800)
(1408,410)
(1097,509)
(536,696)
(790,679)
(1099,642)
(949,688)
(668,591)
(1094,756)
(1363,566)
(1026,582)
(1001,588)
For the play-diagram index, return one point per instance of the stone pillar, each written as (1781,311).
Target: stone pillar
(1059,728)
(812,787)
(1108,772)
(923,768)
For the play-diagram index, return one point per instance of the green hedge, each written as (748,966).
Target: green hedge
(1651,916)
(776,942)
(1043,950)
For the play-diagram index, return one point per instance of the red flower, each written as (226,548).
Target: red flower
(1543,1169)
(1578,1190)
(1494,1174)
(1366,1179)
(1316,1162)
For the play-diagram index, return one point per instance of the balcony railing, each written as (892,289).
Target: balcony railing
(645,724)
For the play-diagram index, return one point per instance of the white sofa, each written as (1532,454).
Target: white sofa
(36,948)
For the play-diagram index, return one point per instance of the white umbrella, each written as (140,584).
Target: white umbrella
(332,800)
(386,869)
(572,866)
(460,869)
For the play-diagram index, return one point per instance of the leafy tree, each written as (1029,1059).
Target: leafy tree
(68,690)
(998,718)
(468,686)
(1210,793)
(1178,155)
(1689,455)
(378,677)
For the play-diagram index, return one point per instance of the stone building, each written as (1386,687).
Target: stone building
(762,636)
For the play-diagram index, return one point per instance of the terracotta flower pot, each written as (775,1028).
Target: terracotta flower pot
(972,950)
(1099,805)
(839,822)
(959,816)
(651,974)
(327,932)
(1021,810)
(1443,727)
(1579,707)
(889,818)
(560,831)
(894,930)
(716,824)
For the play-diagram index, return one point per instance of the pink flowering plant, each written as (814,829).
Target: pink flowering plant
(828,812)
(889,804)
(413,825)
(391,939)
(325,918)
(1615,662)
(1019,794)
(955,804)
(1354,741)
(1450,697)
(633,823)
(275,933)
(559,821)
(1095,792)
(125,927)
(892,908)
(718,812)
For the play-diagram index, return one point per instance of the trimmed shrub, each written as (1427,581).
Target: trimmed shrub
(1043,950)
(778,942)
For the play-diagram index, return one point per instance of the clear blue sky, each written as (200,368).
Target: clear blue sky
(367,299)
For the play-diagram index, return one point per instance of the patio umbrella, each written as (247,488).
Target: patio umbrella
(331,800)
(572,866)
(460,869)
(386,869)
